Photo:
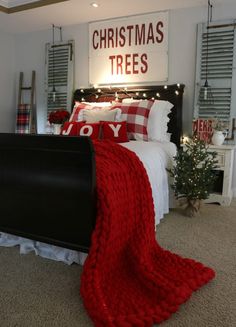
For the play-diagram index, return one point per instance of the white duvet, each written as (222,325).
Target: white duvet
(156,157)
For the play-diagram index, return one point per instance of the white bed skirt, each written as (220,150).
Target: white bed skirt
(42,249)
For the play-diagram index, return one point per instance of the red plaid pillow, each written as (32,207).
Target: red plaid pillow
(136,114)
(115,131)
(70,128)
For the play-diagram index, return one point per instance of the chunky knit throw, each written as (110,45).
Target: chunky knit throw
(128,280)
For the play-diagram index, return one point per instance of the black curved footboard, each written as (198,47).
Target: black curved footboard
(47,188)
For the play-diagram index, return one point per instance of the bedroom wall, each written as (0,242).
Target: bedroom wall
(7,82)
(182,48)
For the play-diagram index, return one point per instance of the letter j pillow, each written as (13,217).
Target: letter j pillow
(115,131)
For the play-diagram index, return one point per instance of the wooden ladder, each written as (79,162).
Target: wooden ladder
(26,121)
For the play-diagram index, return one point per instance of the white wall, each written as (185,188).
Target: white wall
(7,83)
(30,50)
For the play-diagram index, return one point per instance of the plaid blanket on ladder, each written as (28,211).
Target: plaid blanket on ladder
(23,119)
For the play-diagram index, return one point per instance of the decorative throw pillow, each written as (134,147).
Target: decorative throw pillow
(79,106)
(70,128)
(136,114)
(92,116)
(91,130)
(115,131)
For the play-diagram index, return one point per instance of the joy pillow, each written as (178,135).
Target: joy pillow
(115,131)
(91,130)
(70,128)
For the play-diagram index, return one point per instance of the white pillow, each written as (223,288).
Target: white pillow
(158,120)
(93,116)
(82,113)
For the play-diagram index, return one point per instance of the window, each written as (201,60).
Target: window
(59,74)
(221,70)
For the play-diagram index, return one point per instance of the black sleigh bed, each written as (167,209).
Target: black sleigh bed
(48,182)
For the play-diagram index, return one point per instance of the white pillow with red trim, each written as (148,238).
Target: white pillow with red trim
(77,114)
(81,108)
(136,114)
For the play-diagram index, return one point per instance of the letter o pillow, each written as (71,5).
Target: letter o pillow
(92,130)
(115,131)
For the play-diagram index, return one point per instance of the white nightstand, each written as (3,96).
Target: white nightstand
(225,156)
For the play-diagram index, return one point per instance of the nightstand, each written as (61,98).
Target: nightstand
(222,192)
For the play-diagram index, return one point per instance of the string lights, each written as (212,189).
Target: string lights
(116,92)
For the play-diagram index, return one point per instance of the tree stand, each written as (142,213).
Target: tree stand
(191,206)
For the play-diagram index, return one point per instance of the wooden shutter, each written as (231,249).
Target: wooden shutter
(221,58)
(60,67)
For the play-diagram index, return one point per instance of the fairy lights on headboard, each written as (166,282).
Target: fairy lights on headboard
(119,93)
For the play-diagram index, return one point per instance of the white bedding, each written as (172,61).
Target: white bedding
(156,157)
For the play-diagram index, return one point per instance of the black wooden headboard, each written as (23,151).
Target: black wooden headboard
(172,93)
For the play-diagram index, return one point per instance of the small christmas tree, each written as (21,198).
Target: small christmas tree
(193,174)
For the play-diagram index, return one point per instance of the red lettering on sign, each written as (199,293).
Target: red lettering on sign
(110,38)
(135,63)
(150,36)
(103,39)
(159,38)
(144,68)
(122,37)
(127,64)
(112,63)
(95,46)
(140,34)
(130,28)
(119,67)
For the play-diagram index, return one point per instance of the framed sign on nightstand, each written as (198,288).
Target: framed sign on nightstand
(222,192)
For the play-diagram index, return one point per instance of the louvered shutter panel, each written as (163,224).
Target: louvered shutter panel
(221,56)
(60,68)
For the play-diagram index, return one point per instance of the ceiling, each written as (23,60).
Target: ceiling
(80,11)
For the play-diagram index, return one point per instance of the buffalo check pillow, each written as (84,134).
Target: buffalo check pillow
(136,114)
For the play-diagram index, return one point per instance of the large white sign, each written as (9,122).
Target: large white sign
(129,50)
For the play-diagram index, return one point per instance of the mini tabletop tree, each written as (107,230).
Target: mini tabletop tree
(193,174)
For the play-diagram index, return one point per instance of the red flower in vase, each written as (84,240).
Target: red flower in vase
(58,116)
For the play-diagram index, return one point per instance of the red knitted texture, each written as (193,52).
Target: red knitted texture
(128,280)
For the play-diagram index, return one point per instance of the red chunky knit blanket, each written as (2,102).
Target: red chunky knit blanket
(128,279)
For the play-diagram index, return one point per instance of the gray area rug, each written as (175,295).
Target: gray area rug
(43,293)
